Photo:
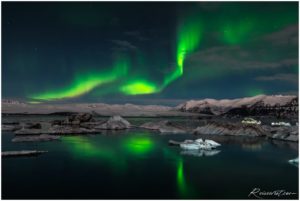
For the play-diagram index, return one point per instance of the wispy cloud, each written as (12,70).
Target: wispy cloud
(286,77)
(286,36)
(123,45)
(136,34)
(236,58)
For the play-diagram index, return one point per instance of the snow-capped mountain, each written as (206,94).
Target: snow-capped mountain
(261,104)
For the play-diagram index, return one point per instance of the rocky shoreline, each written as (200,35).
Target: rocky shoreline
(239,129)
(22,153)
(85,123)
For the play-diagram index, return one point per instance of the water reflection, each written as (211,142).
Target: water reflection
(138,144)
(86,148)
(119,151)
(200,153)
(252,147)
(182,187)
(115,153)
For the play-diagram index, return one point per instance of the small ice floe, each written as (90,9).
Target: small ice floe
(190,146)
(248,120)
(281,123)
(213,143)
(200,153)
(294,161)
(199,144)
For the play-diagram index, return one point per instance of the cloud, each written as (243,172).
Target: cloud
(236,58)
(276,50)
(286,77)
(136,34)
(123,45)
(286,36)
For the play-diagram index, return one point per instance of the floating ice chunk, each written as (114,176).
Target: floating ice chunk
(294,161)
(199,144)
(213,143)
(190,146)
(199,140)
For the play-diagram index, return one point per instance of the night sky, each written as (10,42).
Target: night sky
(148,51)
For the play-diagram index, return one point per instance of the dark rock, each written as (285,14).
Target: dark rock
(57,129)
(92,124)
(238,129)
(21,153)
(222,128)
(114,123)
(164,127)
(32,126)
(10,123)
(57,122)
(11,127)
(284,133)
(66,130)
(76,119)
(30,131)
(39,138)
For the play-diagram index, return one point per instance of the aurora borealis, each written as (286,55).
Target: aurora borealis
(84,83)
(116,51)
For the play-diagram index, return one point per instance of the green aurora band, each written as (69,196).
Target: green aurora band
(237,32)
(87,82)
(188,38)
(138,87)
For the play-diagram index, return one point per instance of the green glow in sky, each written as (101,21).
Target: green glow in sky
(139,87)
(34,102)
(236,32)
(193,48)
(84,83)
(254,92)
(188,38)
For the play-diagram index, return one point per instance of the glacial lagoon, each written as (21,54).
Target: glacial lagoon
(139,164)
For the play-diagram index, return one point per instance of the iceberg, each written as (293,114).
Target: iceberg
(294,161)
(212,143)
(199,144)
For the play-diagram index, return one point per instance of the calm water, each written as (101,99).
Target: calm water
(138,164)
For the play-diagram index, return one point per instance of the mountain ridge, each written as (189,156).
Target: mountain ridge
(268,104)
